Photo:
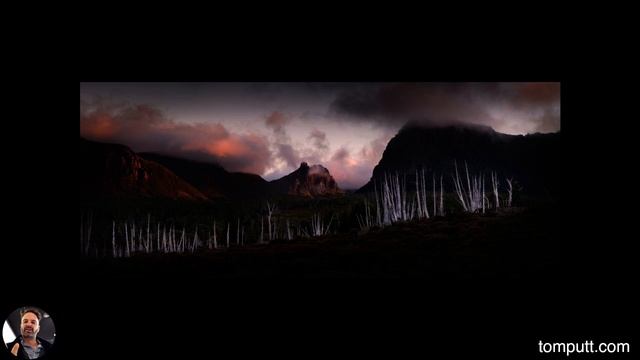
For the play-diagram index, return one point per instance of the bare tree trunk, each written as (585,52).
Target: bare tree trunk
(183,239)
(89,233)
(148,228)
(494,181)
(510,190)
(468,183)
(174,245)
(194,245)
(368,213)
(164,239)
(441,198)
(405,209)
(459,189)
(424,195)
(434,195)
(215,240)
(126,234)
(378,208)
(113,239)
(420,212)
(275,230)
(270,210)
(483,193)
(329,225)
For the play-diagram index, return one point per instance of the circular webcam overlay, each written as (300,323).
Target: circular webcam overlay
(28,333)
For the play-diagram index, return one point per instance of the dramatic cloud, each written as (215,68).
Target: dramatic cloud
(287,153)
(340,155)
(319,139)
(144,128)
(373,153)
(507,107)
(277,122)
(352,170)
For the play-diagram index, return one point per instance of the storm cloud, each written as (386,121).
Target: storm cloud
(146,129)
(319,139)
(506,107)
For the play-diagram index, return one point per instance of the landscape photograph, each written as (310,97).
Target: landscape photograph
(439,180)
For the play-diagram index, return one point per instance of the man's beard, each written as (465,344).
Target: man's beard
(28,334)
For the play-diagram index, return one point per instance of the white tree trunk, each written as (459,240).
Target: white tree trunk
(126,236)
(483,193)
(459,189)
(510,190)
(113,239)
(215,239)
(441,198)
(494,181)
(420,211)
(270,210)
(194,246)
(433,179)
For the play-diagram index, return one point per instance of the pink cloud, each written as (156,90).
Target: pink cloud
(319,139)
(277,122)
(352,169)
(146,129)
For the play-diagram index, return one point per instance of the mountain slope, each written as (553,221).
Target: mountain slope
(213,180)
(114,171)
(532,160)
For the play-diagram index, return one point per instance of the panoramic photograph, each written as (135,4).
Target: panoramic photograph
(321,179)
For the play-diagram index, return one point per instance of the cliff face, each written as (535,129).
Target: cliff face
(307,181)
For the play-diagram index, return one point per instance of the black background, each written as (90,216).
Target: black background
(99,316)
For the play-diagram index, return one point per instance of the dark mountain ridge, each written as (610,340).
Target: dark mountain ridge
(533,161)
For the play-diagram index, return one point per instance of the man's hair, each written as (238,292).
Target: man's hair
(34,311)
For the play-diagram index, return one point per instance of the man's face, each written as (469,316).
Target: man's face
(29,325)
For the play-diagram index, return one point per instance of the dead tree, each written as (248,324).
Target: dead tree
(494,182)
(510,192)
(270,211)
(441,198)
(227,235)
(215,239)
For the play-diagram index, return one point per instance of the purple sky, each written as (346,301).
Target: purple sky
(269,128)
